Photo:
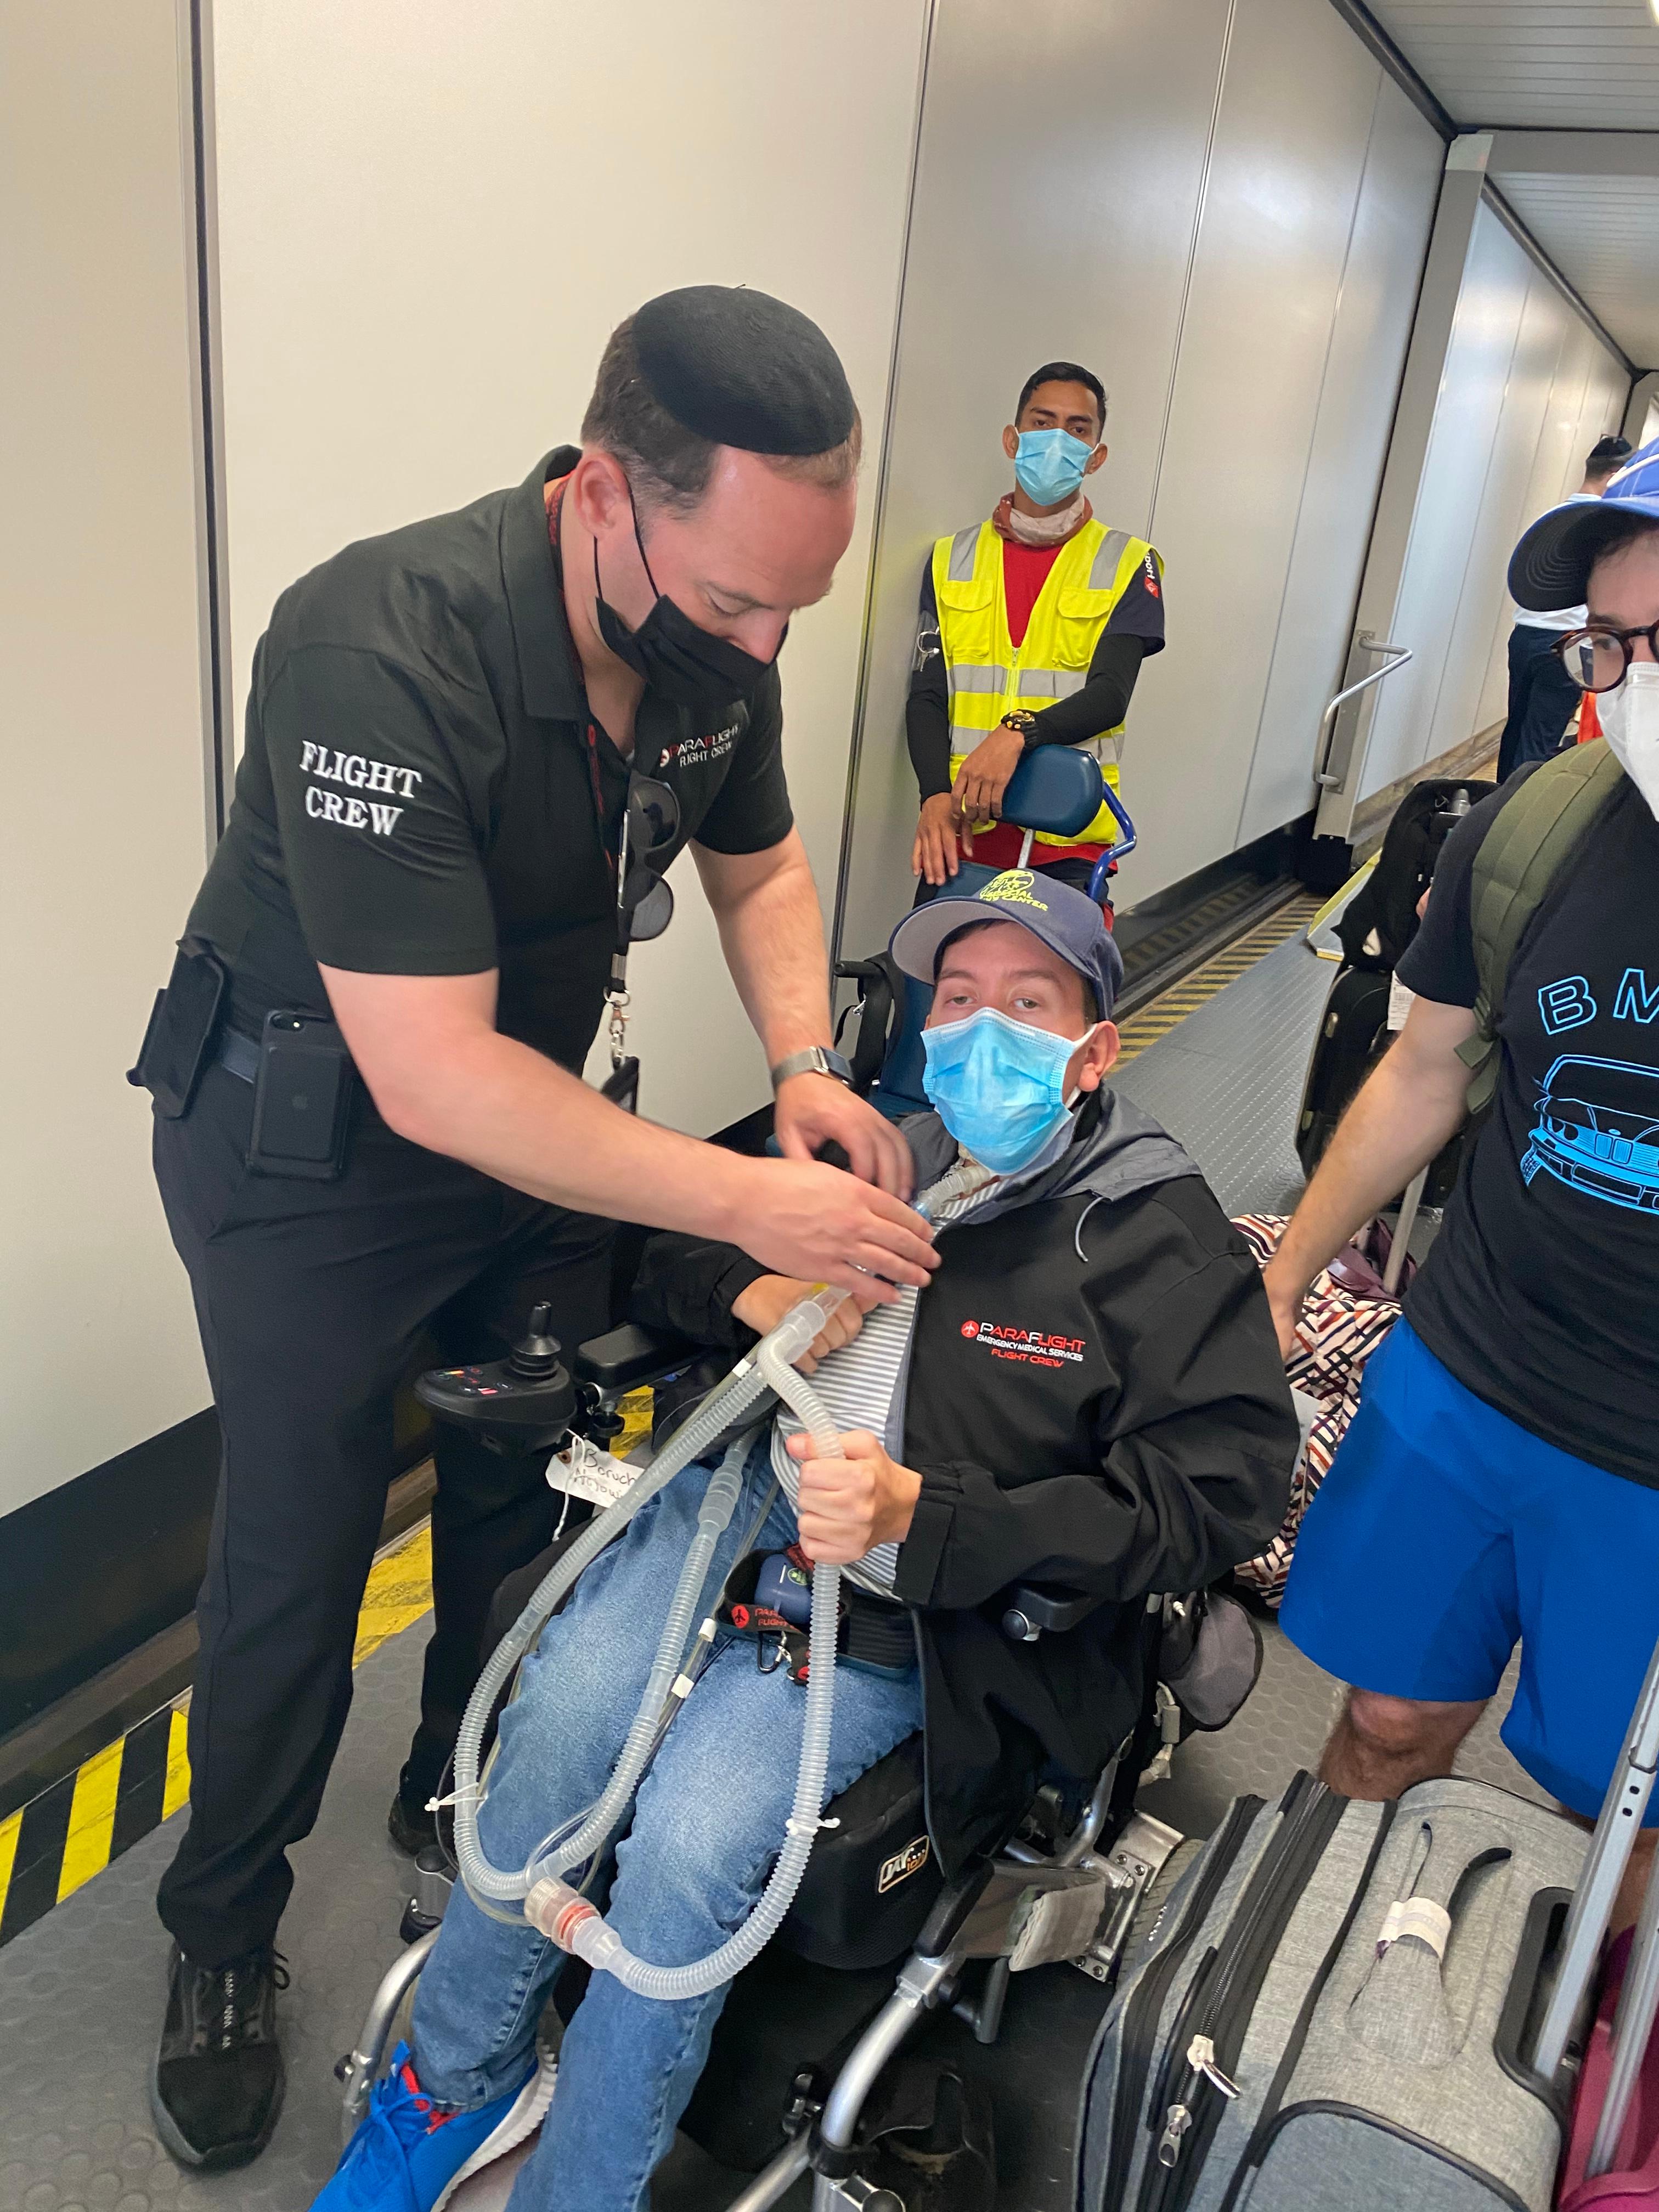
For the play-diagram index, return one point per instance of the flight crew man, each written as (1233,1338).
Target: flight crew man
(450,730)
(1031,631)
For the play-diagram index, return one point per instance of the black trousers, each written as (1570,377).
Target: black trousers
(1543,700)
(311,1298)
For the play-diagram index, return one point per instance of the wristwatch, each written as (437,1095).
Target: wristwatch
(815,1059)
(1022,720)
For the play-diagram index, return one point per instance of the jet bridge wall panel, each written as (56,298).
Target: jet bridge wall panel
(1060,177)
(1228,226)
(1369,331)
(1525,391)
(102,843)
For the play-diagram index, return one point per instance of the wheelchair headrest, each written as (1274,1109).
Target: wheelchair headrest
(1057,789)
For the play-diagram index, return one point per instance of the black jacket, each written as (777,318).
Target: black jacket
(1095,1401)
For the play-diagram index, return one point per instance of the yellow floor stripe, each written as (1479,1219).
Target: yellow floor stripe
(177,1791)
(399,1591)
(10,1829)
(1159,1016)
(92,1819)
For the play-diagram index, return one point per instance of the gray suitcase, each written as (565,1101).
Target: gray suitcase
(1332,2011)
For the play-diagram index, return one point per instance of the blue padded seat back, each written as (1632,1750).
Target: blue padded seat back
(1058,789)
(898,1088)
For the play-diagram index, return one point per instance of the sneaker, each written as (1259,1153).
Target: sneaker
(411,1827)
(409,2156)
(216,2090)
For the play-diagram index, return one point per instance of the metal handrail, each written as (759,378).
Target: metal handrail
(1401,653)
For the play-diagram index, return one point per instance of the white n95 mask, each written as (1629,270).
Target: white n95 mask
(1630,723)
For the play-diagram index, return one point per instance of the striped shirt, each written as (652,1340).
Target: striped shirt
(858,1385)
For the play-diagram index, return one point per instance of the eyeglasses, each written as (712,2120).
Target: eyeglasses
(1598,659)
(650,826)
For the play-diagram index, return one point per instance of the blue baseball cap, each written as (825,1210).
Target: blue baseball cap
(1066,921)
(1551,565)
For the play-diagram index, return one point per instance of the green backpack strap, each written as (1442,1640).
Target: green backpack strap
(1533,837)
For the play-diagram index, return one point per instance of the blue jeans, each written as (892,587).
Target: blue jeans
(707,1824)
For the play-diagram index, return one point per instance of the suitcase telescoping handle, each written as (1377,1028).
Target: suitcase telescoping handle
(1616,1831)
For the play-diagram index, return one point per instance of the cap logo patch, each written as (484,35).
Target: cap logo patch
(1014,887)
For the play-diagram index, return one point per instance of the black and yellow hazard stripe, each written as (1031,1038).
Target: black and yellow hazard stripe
(60,1839)
(1207,981)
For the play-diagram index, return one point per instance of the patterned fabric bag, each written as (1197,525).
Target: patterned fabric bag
(1346,1316)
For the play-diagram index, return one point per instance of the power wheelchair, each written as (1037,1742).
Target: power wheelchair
(802,2074)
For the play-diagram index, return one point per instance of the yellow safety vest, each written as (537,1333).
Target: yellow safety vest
(988,676)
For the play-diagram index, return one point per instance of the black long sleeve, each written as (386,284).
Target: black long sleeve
(926,710)
(687,1284)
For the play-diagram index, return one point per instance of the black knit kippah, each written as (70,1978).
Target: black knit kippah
(742,368)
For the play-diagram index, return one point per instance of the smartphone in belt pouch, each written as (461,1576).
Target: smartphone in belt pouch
(183,1024)
(301,1098)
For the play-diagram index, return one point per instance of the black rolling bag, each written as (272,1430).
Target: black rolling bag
(1376,929)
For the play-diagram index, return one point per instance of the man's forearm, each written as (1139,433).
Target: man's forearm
(1399,1121)
(772,935)
(515,1115)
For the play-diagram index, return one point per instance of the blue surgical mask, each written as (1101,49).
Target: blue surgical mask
(1048,465)
(998,1085)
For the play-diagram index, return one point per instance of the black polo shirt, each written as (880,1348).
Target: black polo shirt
(423,791)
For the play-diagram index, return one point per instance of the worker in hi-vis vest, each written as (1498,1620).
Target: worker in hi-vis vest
(1033,627)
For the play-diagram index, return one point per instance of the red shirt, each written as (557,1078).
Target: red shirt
(1025,572)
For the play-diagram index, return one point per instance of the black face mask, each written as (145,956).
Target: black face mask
(691,666)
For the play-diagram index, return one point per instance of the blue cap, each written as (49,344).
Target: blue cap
(1068,922)
(1551,565)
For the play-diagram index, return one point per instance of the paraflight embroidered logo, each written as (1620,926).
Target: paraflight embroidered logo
(1014,887)
(1031,1347)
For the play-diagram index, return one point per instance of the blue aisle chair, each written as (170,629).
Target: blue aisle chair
(1057,789)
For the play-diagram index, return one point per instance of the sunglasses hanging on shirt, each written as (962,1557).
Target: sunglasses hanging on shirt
(645,907)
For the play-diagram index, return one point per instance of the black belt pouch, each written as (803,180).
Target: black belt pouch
(183,1024)
(302,1097)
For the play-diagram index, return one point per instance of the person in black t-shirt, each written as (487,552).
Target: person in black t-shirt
(448,729)
(1500,1482)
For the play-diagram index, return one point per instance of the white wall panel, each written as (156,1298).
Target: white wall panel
(101,844)
(430,218)
(1272,241)
(1471,403)
(1527,389)
(1541,356)
(1373,320)
(1237,249)
(1057,192)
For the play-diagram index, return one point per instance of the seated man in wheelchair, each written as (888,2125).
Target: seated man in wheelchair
(1087,1396)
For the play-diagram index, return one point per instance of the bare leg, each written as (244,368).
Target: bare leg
(1381,1744)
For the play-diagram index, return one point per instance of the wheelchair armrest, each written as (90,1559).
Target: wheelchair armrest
(1031,1613)
(624,1358)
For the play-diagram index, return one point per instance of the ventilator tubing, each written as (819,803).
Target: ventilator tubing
(728,1402)
(551,1904)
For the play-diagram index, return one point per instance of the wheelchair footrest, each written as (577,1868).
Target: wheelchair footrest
(1058,1921)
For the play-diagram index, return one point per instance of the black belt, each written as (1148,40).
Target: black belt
(239,1054)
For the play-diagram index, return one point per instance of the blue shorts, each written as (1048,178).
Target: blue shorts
(1444,1535)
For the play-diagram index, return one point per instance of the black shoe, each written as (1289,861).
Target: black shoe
(217,2089)
(411,1827)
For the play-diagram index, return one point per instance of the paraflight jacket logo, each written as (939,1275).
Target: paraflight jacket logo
(1033,1346)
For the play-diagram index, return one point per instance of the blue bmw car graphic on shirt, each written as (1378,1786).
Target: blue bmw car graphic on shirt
(1598,1130)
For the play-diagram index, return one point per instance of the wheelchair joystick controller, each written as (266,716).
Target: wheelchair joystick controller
(525,1402)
